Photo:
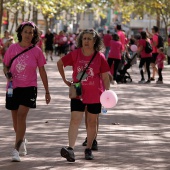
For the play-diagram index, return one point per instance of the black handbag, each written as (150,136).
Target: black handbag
(148,48)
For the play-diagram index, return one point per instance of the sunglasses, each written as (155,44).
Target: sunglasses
(27,23)
(89,30)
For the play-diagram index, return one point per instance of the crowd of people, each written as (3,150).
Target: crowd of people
(94,58)
(119,50)
(60,44)
(56,44)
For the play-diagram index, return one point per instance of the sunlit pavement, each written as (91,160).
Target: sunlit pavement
(140,142)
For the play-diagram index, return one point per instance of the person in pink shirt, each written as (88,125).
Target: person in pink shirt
(160,64)
(106,39)
(24,81)
(122,37)
(154,41)
(61,40)
(168,50)
(89,44)
(1,48)
(115,55)
(145,57)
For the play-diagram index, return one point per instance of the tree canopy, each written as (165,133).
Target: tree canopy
(54,8)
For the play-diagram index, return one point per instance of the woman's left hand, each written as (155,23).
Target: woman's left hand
(47,98)
(67,82)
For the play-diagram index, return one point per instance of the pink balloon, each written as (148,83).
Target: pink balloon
(108,99)
(64,38)
(134,48)
(73,35)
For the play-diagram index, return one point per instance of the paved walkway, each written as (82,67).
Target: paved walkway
(140,142)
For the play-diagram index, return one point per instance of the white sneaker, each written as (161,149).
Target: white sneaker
(113,82)
(23,149)
(15,156)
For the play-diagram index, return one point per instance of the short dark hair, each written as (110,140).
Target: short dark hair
(155,28)
(31,24)
(119,27)
(115,37)
(143,34)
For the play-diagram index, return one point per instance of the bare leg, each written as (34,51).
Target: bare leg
(91,128)
(19,121)
(76,118)
(154,70)
(87,125)
(14,119)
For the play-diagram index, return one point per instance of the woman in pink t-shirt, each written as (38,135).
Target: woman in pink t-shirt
(1,48)
(168,51)
(23,81)
(89,45)
(145,57)
(154,41)
(160,64)
(62,42)
(115,55)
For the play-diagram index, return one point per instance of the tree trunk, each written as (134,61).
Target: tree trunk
(46,23)
(29,15)
(13,22)
(23,12)
(1,14)
(158,20)
(34,15)
(7,19)
(16,19)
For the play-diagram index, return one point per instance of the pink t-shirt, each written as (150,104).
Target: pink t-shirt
(24,67)
(122,39)
(115,49)
(154,39)
(92,86)
(160,60)
(142,42)
(106,39)
(59,39)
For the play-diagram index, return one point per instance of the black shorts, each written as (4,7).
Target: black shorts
(25,96)
(48,48)
(78,105)
(154,56)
